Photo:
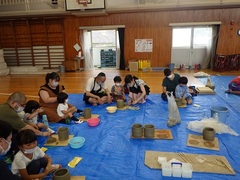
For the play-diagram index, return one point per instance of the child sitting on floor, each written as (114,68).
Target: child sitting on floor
(117,90)
(182,92)
(32,109)
(63,110)
(30,159)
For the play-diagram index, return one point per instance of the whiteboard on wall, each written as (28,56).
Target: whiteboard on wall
(143,45)
(91,4)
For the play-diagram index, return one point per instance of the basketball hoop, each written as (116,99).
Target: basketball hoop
(83,2)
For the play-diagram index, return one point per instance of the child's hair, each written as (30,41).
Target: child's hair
(183,80)
(31,105)
(117,79)
(167,72)
(5,129)
(129,78)
(26,136)
(62,96)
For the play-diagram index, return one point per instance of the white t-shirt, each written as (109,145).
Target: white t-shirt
(21,161)
(90,84)
(34,120)
(62,107)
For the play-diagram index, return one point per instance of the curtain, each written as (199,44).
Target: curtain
(118,52)
(211,50)
(121,43)
(88,64)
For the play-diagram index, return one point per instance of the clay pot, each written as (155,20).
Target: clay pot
(149,130)
(208,134)
(63,134)
(61,174)
(137,130)
(120,103)
(87,113)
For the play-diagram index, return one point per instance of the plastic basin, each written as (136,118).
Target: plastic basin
(93,121)
(77,142)
(111,109)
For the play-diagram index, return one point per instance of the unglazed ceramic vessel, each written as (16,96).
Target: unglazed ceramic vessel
(149,130)
(63,134)
(87,113)
(120,103)
(137,130)
(208,134)
(61,174)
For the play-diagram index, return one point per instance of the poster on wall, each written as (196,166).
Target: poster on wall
(84,4)
(143,45)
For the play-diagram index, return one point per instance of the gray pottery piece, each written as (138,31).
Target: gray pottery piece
(149,130)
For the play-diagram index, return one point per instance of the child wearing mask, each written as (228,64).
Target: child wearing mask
(63,109)
(31,114)
(30,159)
(5,144)
(182,92)
(138,90)
(169,83)
(117,90)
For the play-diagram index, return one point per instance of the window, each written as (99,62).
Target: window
(182,37)
(103,38)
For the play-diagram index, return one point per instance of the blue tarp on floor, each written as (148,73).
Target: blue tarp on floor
(221,83)
(110,153)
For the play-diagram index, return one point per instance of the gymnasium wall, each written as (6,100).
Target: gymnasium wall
(138,25)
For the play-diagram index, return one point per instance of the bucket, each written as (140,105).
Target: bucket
(221,112)
(171,66)
(62,68)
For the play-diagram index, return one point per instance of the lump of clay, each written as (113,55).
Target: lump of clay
(210,84)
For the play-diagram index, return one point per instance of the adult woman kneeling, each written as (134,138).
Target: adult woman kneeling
(48,97)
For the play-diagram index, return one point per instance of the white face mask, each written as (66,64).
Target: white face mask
(3,152)
(170,76)
(55,84)
(29,151)
(66,101)
(118,84)
(19,109)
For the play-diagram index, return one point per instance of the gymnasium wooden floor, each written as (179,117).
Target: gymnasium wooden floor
(74,82)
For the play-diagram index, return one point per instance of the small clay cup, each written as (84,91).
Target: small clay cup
(61,174)
(120,103)
(149,130)
(87,113)
(63,134)
(208,134)
(137,130)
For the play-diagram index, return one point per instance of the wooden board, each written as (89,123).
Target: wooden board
(93,116)
(199,142)
(209,166)
(158,134)
(58,143)
(77,178)
(205,90)
(182,106)
(124,108)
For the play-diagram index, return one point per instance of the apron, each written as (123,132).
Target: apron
(98,92)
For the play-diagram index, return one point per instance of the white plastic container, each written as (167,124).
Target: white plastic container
(162,159)
(176,169)
(187,170)
(166,169)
